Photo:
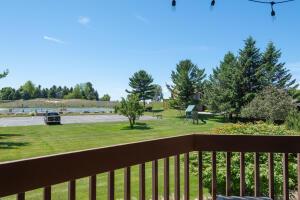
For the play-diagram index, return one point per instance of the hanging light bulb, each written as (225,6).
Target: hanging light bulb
(272,7)
(213,2)
(173,3)
(272,3)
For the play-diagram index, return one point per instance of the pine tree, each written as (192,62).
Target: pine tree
(274,72)
(249,62)
(221,90)
(187,83)
(142,85)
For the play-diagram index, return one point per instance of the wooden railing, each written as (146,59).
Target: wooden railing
(18,177)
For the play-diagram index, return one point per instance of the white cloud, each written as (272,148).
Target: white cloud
(52,39)
(142,19)
(83,20)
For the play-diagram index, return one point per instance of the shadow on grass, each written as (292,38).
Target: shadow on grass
(12,145)
(4,136)
(138,126)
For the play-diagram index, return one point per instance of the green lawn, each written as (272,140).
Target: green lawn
(32,141)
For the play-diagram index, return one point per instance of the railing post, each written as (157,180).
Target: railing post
(92,187)
(155,180)
(298,167)
(72,190)
(256,175)
(242,174)
(186,176)
(21,196)
(271,175)
(214,175)
(177,177)
(142,194)
(285,176)
(127,177)
(166,179)
(200,178)
(47,193)
(111,185)
(228,173)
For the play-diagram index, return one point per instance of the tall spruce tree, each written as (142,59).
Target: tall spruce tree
(221,90)
(142,85)
(187,83)
(273,73)
(248,73)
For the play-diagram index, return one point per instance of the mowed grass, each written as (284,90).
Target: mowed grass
(32,141)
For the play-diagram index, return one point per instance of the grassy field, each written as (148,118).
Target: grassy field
(32,141)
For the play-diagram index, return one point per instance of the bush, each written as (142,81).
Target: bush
(292,121)
(271,104)
(131,108)
(259,128)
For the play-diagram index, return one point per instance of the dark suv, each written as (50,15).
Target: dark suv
(52,118)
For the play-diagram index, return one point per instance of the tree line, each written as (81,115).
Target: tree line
(251,75)
(30,91)
(235,82)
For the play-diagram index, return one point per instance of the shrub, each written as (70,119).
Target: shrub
(259,128)
(271,104)
(292,121)
(131,108)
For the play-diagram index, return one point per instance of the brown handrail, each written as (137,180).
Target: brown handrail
(25,175)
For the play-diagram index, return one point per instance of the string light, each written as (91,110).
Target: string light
(272,3)
(213,2)
(173,3)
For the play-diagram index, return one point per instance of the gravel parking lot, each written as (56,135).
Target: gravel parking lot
(29,121)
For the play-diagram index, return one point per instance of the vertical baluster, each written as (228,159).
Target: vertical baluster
(271,175)
(127,177)
(21,196)
(228,173)
(142,193)
(256,175)
(166,179)
(92,187)
(154,180)
(111,185)
(47,193)
(186,176)
(200,178)
(242,174)
(214,175)
(72,190)
(177,176)
(285,176)
(298,167)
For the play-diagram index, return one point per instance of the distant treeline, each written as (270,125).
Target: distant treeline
(30,91)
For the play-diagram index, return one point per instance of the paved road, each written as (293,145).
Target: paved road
(28,121)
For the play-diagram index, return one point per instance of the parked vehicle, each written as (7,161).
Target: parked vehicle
(52,118)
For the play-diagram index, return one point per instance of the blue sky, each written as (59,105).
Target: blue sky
(105,41)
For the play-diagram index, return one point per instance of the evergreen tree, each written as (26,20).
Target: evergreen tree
(272,71)
(249,62)
(221,90)
(187,83)
(141,84)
